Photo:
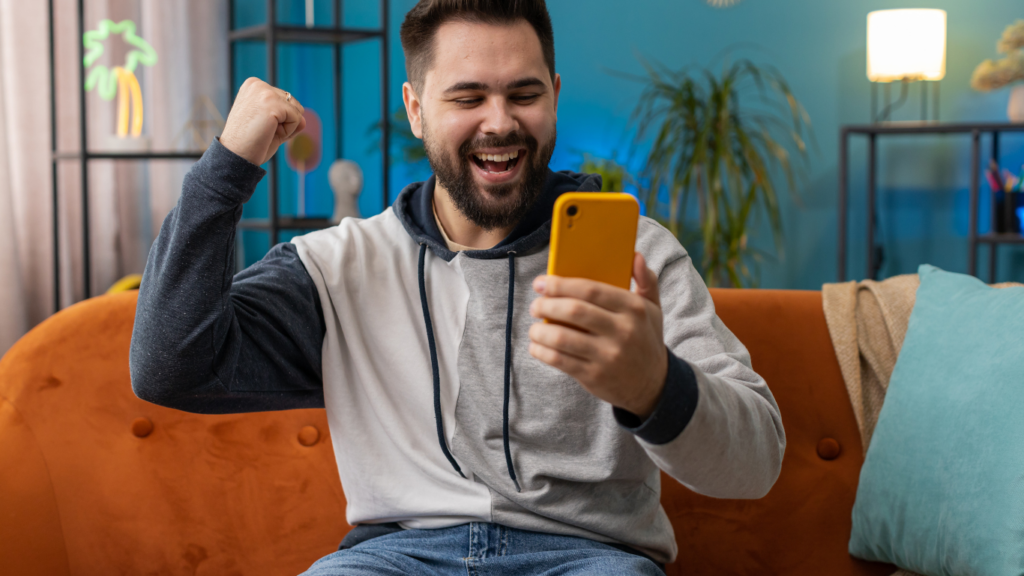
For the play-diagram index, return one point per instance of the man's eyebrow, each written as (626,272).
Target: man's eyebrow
(524,82)
(461,86)
(480,86)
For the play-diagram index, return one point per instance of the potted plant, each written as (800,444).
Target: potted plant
(614,176)
(725,158)
(991,75)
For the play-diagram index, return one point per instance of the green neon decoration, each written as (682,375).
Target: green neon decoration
(100,75)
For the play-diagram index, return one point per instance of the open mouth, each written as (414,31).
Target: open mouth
(497,163)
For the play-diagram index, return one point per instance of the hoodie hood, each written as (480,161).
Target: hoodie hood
(414,209)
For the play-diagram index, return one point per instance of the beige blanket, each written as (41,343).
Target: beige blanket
(868,322)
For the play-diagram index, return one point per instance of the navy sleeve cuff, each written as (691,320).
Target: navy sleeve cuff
(226,173)
(673,411)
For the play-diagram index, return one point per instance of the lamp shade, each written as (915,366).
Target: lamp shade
(906,45)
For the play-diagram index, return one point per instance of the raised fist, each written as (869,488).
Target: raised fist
(262,118)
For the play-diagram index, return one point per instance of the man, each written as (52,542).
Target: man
(469,436)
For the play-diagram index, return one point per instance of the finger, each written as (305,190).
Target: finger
(286,133)
(289,120)
(248,84)
(598,293)
(574,312)
(570,365)
(646,280)
(292,120)
(290,98)
(286,110)
(565,340)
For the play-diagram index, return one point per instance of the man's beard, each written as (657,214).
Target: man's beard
(508,203)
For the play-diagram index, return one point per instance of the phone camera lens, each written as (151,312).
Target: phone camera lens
(572,210)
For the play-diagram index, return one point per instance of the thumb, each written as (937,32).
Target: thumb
(646,280)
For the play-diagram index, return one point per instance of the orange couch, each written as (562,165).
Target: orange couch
(95,481)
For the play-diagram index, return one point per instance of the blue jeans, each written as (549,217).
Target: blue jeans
(481,549)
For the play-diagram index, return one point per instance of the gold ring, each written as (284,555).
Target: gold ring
(287,96)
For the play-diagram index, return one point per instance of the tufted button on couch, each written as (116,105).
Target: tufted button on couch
(95,481)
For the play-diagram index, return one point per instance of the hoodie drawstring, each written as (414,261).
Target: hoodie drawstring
(433,364)
(508,367)
(437,372)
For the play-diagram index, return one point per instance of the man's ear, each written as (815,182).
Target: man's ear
(558,89)
(413,109)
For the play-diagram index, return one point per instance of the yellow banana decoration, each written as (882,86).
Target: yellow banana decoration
(128,87)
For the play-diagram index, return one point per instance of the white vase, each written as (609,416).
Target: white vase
(1016,108)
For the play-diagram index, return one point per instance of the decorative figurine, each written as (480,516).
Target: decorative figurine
(346,180)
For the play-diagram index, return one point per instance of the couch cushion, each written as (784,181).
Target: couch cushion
(942,489)
(802,526)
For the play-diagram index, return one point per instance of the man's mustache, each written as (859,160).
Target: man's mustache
(513,139)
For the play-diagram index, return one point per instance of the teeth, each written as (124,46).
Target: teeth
(498,157)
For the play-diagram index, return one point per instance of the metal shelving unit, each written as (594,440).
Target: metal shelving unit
(337,35)
(873,132)
(270,33)
(83,155)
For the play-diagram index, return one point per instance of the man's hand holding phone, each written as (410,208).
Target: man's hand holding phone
(609,339)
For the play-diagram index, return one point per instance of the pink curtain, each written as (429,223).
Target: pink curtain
(128,200)
(25,246)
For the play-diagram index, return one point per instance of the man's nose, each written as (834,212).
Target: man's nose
(498,119)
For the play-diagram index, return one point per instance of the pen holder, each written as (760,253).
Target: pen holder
(1009,212)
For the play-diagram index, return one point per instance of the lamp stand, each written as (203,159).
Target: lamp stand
(929,111)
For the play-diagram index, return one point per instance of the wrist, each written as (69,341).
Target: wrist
(229,142)
(644,404)
(674,409)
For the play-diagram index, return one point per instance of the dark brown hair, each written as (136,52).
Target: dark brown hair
(422,22)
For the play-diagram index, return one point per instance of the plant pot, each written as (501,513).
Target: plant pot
(1016,108)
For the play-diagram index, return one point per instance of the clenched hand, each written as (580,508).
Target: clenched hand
(262,118)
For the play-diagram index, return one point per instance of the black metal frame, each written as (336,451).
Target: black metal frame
(337,35)
(873,131)
(271,34)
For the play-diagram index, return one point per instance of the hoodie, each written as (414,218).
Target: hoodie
(438,414)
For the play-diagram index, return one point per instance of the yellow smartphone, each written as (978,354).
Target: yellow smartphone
(593,235)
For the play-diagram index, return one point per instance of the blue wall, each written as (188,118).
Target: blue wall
(818,46)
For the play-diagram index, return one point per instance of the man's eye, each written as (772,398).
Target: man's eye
(467,101)
(525,98)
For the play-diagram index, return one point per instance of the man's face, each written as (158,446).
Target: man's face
(487,118)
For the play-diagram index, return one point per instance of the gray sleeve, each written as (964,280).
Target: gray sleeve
(211,342)
(717,428)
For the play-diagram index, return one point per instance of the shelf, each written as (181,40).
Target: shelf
(302,34)
(195,155)
(271,34)
(286,223)
(932,127)
(1001,239)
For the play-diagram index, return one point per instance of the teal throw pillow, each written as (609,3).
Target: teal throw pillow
(942,488)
